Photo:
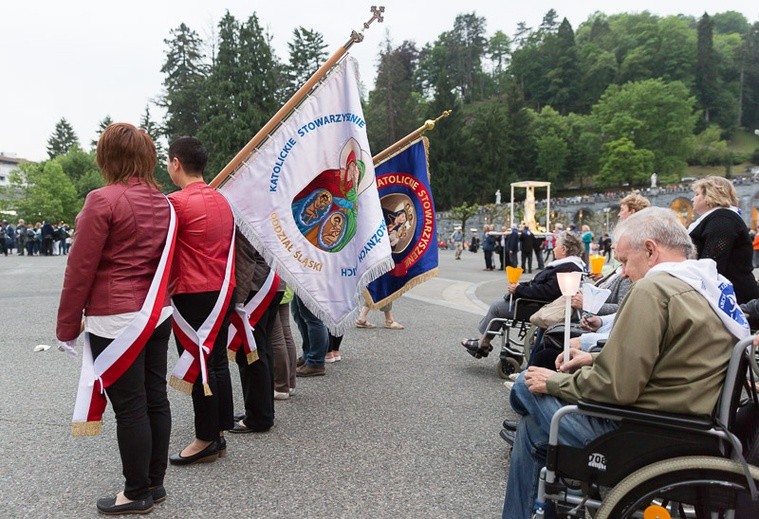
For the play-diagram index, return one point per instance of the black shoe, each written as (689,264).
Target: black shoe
(510,425)
(159,494)
(300,362)
(239,417)
(108,506)
(241,428)
(508,436)
(210,453)
(222,447)
(475,350)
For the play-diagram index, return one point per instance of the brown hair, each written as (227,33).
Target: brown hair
(125,152)
(635,202)
(718,191)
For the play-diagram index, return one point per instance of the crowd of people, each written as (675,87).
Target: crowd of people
(198,275)
(41,239)
(195,274)
(678,301)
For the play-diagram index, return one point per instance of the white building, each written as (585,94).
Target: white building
(7,164)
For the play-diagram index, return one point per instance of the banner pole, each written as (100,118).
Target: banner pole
(428,125)
(297,98)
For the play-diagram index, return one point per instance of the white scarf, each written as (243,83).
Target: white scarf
(707,213)
(569,259)
(702,275)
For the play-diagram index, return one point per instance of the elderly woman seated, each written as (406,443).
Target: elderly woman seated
(543,287)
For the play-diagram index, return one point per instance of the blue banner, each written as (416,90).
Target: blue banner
(403,184)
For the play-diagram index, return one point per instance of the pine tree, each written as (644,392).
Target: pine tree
(152,129)
(564,77)
(62,139)
(185,72)
(707,86)
(101,128)
(307,54)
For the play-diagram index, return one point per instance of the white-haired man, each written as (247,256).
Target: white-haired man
(668,350)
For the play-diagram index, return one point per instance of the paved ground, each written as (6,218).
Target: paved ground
(405,426)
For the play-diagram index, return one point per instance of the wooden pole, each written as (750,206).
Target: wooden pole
(297,98)
(428,125)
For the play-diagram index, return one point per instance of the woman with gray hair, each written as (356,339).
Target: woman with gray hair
(721,234)
(543,287)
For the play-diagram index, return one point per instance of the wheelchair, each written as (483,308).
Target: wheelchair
(658,464)
(517,336)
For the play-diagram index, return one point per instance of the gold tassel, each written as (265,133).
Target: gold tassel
(180,385)
(252,356)
(207,390)
(85,428)
(411,283)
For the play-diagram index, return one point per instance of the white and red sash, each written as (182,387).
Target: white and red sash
(198,344)
(245,318)
(119,355)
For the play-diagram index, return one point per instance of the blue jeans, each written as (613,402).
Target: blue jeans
(529,453)
(313,331)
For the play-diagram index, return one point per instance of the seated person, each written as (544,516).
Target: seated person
(668,351)
(544,287)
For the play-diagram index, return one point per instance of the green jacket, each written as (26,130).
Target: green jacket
(668,351)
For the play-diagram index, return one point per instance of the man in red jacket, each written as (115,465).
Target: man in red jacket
(201,285)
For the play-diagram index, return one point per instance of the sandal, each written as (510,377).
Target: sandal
(393,325)
(474,348)
(364,324)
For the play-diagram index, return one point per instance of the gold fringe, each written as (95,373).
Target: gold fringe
(207,390)
(180,385)
(252,357)
(411,283)
(85,428)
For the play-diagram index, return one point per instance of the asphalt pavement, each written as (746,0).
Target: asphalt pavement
(406,425)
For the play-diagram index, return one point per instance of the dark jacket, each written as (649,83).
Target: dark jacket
(723,236)
(528,241)
(545,285)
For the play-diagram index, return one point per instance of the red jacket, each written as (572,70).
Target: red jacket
(204,235)
(120,234)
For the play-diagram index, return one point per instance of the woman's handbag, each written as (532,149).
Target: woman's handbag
(549,314)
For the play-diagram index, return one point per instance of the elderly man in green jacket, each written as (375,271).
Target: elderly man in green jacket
(668,350)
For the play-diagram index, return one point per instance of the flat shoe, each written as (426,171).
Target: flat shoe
(509,436)
(159,494)
(334,358)
(241,428)
(207,455)
(108,506)
(393,325)
(510,425)
(364,324)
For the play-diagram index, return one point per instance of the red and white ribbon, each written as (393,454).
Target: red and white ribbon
(119,355)
(245,317)
(198,344)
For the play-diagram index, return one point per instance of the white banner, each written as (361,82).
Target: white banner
(307,200)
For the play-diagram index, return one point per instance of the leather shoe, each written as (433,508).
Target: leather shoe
(222,447)
(307,370)
(509,436)
(210,453)
(239,417)
(108,506)
(159,494)
(241,428)
(510,425)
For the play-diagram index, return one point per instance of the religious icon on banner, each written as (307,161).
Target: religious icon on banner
(326,210)
(399,218)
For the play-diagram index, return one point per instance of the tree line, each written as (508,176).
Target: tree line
(606,104)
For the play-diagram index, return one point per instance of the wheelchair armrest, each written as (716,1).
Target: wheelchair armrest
(636,414)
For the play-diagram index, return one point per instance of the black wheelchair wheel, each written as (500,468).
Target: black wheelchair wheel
(692,487)
(507,367)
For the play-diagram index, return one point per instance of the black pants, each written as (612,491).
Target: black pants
(213,413)
(527,261)
(257,379)
(334,342)
(488,259)
(143,415)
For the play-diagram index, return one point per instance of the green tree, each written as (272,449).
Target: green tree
(564,76)
(62,139)
(307,54)
(654,115)
(101,128)
(393,109)
(499,52)
(160,172)
(749,95)
(464,212)
(622,162)
(46,192)
(730,22)
(185,72)
(707,88)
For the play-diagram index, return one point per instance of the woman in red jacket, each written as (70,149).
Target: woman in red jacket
(115,290)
